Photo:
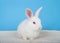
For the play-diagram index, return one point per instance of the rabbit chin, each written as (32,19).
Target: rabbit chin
(36,28)
(33,28)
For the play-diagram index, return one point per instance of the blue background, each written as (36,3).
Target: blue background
(12,12)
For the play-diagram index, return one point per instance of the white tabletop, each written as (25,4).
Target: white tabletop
(47,36)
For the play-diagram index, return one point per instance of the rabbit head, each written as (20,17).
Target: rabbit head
(33,21)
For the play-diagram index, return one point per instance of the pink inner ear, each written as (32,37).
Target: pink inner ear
(29,13)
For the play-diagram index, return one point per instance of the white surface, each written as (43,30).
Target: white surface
(45,37)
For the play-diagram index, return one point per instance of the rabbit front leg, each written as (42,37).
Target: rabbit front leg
(31,38)
(26,38)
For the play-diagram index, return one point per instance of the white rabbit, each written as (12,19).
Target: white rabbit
(30,27)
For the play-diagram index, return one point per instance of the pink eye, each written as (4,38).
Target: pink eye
(34,23)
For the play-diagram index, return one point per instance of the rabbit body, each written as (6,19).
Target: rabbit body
(30,28)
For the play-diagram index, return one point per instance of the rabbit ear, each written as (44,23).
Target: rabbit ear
(29,13)
(38,11)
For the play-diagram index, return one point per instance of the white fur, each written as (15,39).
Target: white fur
(27,29)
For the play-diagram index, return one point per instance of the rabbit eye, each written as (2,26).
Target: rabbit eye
(34,23)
